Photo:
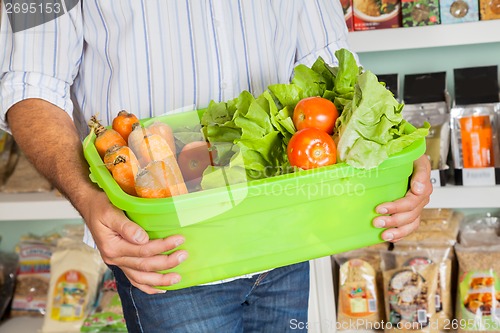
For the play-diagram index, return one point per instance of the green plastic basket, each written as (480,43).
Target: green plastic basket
(268,223)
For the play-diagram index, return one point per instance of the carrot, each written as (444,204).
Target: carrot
(113,152)
(124,173)
(123,122)
(124,166)
(136,137)
(105,137)
(153,148)
(165,131)
(160,179)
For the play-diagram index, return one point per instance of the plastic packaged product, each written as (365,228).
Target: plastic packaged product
(443,256)
(107,315)
(475,143)
(410,296)
(360,298)
(32,281)
(480,230)
(8,268)
(76,271)
(478,289)
(438,140)
(438,226)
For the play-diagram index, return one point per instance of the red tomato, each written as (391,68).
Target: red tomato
(316,112)
(193,159)
(311,148)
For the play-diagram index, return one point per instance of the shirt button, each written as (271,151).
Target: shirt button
(216,23)
(223,85)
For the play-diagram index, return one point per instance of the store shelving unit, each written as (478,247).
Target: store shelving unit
(49,206)
(35,206)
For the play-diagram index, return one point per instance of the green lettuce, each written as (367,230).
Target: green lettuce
(250,136)
(371,126)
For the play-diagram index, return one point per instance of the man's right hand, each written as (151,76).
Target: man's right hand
(123,243)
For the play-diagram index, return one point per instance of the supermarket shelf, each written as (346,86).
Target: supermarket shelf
(35,206)
(426,36)
(450,196)
(49,206)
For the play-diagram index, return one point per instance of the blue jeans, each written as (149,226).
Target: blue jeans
(268,302)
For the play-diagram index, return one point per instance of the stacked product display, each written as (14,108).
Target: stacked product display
(62,281)
(370,14)
(463,143)
(432,281)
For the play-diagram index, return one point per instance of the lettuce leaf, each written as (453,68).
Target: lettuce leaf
(371,127)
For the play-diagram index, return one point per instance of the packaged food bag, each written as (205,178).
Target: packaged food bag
(76,271)
(443,256)
(8,266)
(478,290)
(360,302)
(480,230)
(437,226)
(410,295)
(33,275)
(107,315)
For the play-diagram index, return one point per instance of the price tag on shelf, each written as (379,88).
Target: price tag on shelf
(478,176)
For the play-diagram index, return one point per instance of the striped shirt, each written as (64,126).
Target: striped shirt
(153,57)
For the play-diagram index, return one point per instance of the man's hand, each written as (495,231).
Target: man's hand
(403,215)
(123,243)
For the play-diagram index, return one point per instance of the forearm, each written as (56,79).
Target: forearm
(48,137)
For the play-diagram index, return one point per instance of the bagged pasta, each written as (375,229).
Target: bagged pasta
(360,303)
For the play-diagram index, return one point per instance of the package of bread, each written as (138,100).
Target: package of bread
(409,295)
(360,304)
(76,271)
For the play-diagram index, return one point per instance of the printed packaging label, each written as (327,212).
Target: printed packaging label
(357,292)
(479,302)
(70,296)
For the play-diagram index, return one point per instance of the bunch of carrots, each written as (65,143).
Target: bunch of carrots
(143,160)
